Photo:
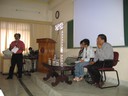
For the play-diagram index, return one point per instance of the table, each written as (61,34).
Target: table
(62,77)
(32,58)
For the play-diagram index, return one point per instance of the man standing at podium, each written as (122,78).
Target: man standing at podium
(17,47)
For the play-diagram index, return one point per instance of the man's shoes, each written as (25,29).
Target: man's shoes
(9,78)
(99,85)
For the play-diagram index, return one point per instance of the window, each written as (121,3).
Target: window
(7,31)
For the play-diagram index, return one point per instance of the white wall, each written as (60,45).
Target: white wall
(29,10)
(66,14)
(25,9)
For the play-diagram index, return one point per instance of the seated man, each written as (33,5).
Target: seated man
(28,62)
(86,52)
(104,52)
(31,52)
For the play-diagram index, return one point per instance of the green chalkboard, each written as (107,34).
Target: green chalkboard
(70,34)
(126,22)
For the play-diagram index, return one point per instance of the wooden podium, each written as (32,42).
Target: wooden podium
(46,51)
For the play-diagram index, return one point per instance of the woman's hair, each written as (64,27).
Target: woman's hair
(86,41)
(81,41)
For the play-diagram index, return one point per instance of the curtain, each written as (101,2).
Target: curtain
(7,31)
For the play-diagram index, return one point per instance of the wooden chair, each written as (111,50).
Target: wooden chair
(103,70)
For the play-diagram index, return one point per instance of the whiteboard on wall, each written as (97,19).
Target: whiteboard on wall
(94,17)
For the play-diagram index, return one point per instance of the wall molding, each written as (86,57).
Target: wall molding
(25,21)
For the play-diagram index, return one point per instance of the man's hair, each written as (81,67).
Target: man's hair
(30,48)
(17,34)
(86,41)
(103,37)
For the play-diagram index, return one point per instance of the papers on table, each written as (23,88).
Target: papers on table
(7,53)
(77,61)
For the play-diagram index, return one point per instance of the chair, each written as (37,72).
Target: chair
(26,72)
(103,70)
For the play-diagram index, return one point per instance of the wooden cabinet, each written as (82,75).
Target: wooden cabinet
(46,51)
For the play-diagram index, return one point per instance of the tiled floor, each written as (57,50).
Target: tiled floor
(11,87)
(38,87)
(83,89)
(14,87)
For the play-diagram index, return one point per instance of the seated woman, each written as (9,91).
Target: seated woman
(86,55)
